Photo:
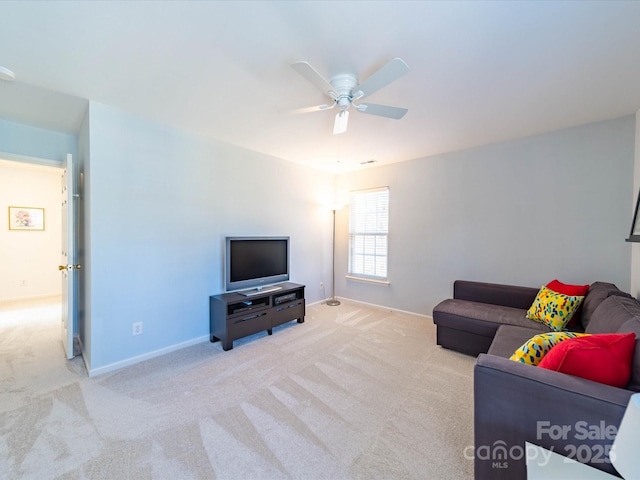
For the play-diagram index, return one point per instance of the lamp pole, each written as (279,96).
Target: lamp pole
(333,301)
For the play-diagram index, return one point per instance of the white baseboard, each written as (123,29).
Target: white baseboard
(146,356)
(381,307)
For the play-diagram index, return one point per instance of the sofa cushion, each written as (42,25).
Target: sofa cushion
(612,313)
(510,337)
(553,309)
(534,350)
(620,314)
(482,318)
(598,292)
(603,358)
(494,293)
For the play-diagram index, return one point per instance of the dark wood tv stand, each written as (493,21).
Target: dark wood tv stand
(233,315)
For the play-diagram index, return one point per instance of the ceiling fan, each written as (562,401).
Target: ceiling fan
(344,89)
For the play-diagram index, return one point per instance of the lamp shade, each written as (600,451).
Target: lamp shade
(624,454)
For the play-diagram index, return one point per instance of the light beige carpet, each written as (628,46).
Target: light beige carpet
(352,393)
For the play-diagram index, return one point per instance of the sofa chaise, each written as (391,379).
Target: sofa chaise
(515,402)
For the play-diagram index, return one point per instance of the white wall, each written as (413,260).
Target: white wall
(29,259)
(158,205)
(522,212)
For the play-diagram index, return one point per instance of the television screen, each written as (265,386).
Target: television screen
(256,261)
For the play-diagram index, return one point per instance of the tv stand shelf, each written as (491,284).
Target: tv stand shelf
(234,315)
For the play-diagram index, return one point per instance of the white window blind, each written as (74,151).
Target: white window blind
(368,232)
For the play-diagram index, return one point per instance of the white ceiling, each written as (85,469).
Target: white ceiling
(480,72)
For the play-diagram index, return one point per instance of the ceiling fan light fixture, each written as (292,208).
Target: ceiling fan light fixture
(340,125)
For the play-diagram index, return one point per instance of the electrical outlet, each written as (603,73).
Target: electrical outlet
(137,328)
(23,283)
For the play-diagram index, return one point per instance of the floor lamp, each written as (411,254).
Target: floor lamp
(333,301)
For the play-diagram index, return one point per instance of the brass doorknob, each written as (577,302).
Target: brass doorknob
(69,267)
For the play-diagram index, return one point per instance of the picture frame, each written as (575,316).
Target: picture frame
(26,218)
(634,235)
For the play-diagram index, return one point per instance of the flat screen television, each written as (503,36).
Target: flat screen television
(255,262)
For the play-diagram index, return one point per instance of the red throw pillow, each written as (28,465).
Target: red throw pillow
(570,290)
(604,358)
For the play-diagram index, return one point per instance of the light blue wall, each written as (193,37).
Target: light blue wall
(30,141)
(524,212)
(160,202)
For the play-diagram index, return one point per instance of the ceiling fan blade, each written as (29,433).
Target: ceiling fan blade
(383,77)
(340,125)
(382,110)
(310,73)
(316,108)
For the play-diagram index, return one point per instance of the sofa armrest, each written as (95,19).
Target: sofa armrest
(515,403)
(495,294)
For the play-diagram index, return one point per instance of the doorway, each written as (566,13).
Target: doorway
(30,285)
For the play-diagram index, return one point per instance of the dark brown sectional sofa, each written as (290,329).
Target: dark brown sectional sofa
(516,403)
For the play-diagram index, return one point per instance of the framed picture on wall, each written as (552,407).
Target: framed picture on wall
(634,236)
(26,218)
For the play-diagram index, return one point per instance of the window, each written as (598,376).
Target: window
(368,231)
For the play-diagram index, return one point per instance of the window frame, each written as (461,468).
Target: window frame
(377,229)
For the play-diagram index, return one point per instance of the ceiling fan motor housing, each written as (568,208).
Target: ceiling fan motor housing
(344,85)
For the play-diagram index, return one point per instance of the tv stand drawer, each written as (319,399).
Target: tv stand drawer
(248,325)
(289,311)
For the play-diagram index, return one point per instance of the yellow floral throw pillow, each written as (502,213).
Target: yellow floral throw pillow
(553,309)
(534,349)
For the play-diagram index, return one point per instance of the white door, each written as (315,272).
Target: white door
(68,266)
